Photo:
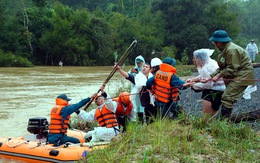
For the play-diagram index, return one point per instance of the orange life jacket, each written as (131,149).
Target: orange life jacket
(162,88)
(105,117)
(120,111)
(57,124)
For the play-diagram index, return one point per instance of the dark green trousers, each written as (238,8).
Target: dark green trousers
(234,91)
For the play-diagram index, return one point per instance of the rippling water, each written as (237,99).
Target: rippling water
(30,92)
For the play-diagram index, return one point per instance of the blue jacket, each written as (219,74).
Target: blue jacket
(65,112)
(68,110)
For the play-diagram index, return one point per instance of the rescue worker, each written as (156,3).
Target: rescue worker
(235,67)
(125,110)
(166,85)
(105,115)
(139,61)
(59,120)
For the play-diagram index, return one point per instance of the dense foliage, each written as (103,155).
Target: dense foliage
(88,33)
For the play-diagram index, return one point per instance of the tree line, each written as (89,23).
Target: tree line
(90,33)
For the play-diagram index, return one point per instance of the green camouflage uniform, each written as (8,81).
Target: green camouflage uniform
(234,65)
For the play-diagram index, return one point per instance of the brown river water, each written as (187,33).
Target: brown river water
(30,92)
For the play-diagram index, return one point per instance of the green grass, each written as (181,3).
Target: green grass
(182,140)
(185,70)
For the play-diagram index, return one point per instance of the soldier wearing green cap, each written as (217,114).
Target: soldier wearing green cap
(234,67)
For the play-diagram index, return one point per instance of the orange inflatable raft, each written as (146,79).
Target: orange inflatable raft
(31,148)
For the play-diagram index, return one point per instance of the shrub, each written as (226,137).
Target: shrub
(11,60)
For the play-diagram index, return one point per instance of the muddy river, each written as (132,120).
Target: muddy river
(30,92)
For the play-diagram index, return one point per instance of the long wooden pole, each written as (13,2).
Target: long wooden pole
(120,62)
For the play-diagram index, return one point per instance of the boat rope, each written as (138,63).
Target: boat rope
(13,146)
(237,79)
(22,142)
(141,93)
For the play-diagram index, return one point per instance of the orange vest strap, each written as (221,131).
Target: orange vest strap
(105,117)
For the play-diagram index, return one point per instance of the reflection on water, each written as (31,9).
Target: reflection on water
(30,92)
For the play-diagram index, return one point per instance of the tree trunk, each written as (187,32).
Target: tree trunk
(25,23)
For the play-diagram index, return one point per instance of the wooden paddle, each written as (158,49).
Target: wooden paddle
(120,62)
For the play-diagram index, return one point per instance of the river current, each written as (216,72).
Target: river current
(30,92)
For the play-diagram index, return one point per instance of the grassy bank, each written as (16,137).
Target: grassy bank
(182,140)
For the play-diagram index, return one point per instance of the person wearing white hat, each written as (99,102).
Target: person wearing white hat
(155,64)
(166,85)
(211,91)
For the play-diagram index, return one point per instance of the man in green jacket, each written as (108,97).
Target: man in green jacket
(234,67)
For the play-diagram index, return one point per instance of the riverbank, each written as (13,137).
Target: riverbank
(182,140)
(193,107)
(190,138)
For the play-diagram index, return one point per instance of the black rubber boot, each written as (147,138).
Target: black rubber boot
(122,123)
(225,112)
(140,117)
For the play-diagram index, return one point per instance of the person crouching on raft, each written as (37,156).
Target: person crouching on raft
(59,120)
